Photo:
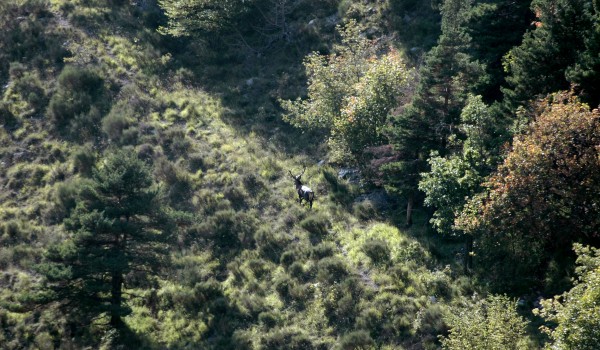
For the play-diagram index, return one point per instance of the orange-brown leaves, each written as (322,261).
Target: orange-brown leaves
(546,194)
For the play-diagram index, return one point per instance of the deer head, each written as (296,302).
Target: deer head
(297,178)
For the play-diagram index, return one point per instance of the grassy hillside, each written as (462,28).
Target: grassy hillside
(253,269)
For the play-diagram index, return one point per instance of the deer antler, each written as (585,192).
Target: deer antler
(303,170)
(292,175)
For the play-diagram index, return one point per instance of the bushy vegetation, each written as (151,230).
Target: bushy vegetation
(146,148)
(576,311)
(492,323)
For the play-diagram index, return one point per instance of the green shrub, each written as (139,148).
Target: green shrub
(229,229)
(402,275)
(179,186)
(79,102)
(296,270)
(12,229)
(331,270)
(196,162)
(356,340)
(323,250)
(377,250)
(25,93)
(259,268)
(439,285)
(365,210)
(6,259)
(237,195)
(575,315)
(398,313)
(339,190)
(146,152)
(401,247)
(300,294)
(65,198)
(7,118)
(430,321)
(372,319)
(175,142)
(84,159)
(317,225)
(287,258)
(268,319)
(208,291)
(253,184)
(270,244)
(27,176)
(287,338)
(492,323)
(32,38)
(114,124)
(283,286)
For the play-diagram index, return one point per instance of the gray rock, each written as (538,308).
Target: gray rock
(346,173)
(379,199)
(332,20)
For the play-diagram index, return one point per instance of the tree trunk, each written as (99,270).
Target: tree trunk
(409,209)
(116,295)
(468,255)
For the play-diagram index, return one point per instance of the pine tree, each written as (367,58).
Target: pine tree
(118,228)
(585,73)
(434,113)
(561,50)
(495,27)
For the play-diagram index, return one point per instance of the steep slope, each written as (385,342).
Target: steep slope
(254,269)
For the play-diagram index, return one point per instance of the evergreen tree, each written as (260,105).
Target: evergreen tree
(562,49)
(495,27)
(585,73)
(433,115)
(118,228)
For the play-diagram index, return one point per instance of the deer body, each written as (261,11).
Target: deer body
(304,192)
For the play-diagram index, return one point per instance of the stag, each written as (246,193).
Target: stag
(304,192)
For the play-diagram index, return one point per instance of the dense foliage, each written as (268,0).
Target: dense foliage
(576,311)
(116,230)
(146,146)
(491,323)
(350,94)
(544,197)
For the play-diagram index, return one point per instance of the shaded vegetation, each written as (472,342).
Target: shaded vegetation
(145,148)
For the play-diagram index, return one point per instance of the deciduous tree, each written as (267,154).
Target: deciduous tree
(453,179)
(350,94)
(544,197)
